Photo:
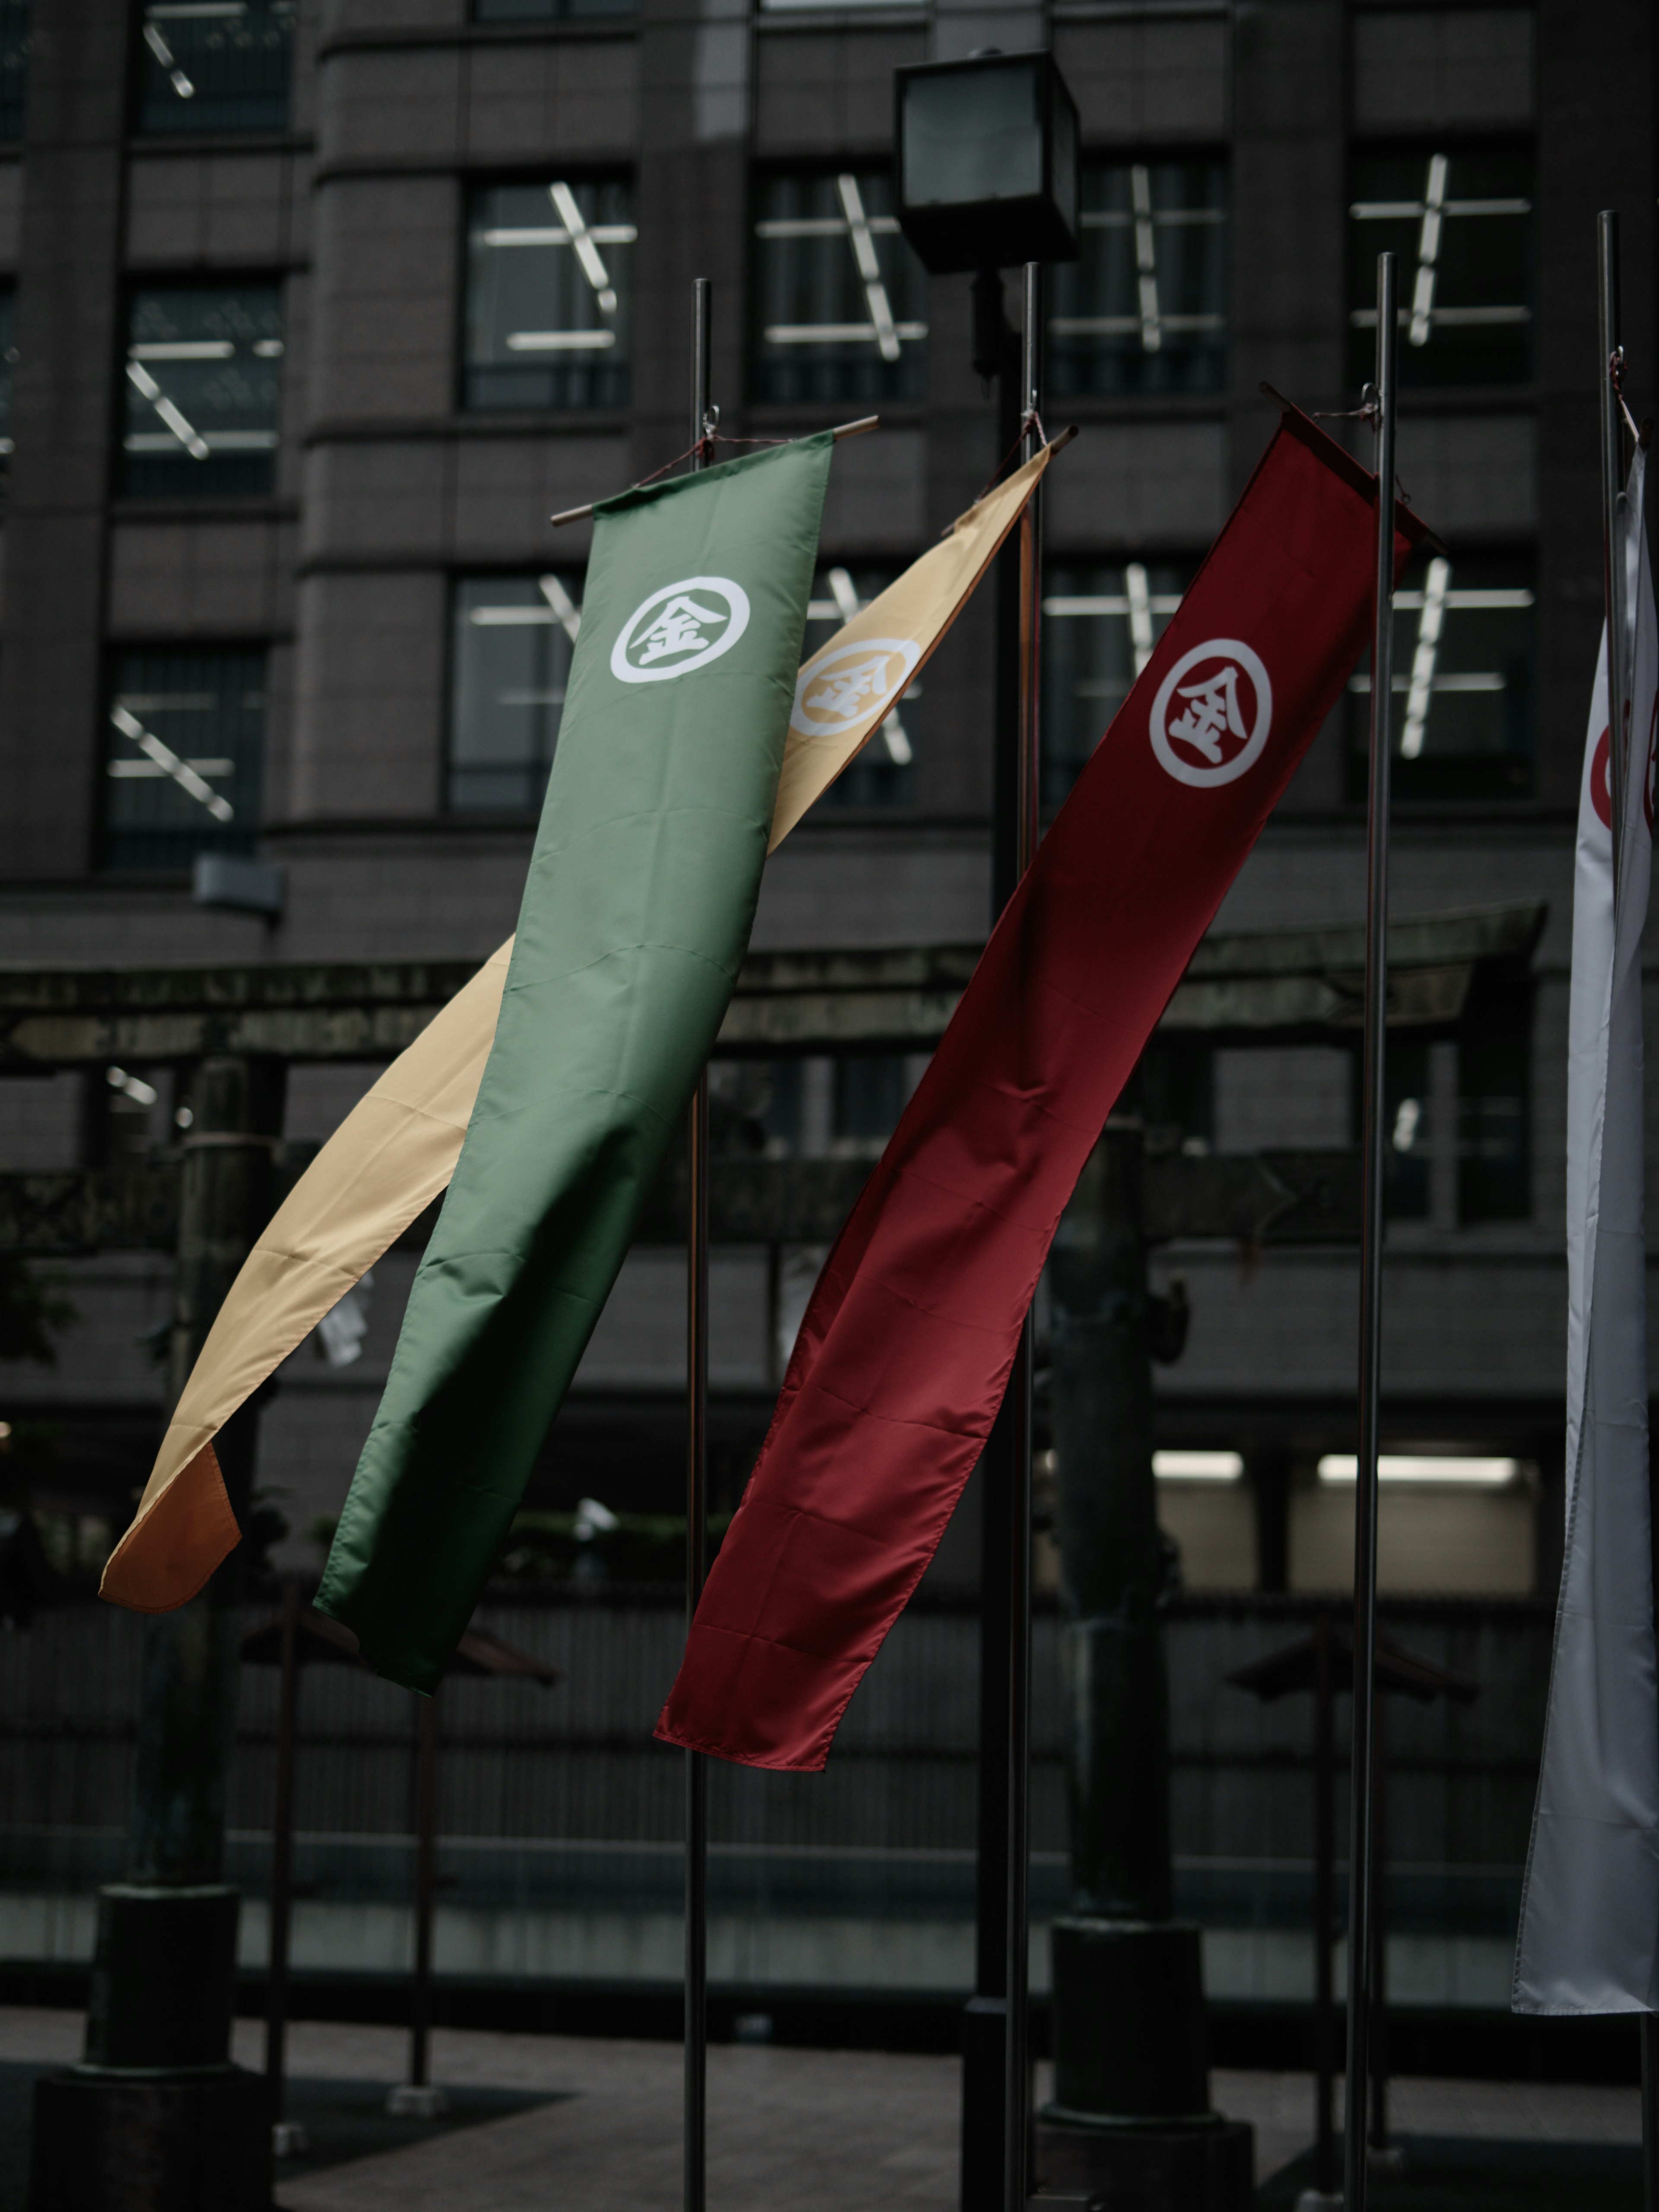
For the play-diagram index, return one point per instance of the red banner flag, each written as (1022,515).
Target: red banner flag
(905,1350)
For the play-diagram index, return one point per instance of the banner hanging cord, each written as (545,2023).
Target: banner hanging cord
(1365,412)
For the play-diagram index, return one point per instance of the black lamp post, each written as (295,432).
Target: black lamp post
(987,177)
(987,161)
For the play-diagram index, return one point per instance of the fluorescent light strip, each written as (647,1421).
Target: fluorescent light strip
(163,53)
(168,760)
(1430,622)
(1409,210)
(1428,251)
(836,333)
(823,226)
(588,253)
(1140,193)
(210,441)
(566,612)
(1197,1466)
(1477,598)
(123,771)
(1140,614)
(560,341)
(1160,603)
(184,350)
(1364,319)
(1425,1467)
(602,234)
(185,432)
(1465,679)
(869,269)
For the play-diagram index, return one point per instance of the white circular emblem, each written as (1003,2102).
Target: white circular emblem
(852,682)
(1212,714)
(682,627)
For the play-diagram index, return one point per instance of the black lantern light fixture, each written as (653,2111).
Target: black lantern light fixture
(987,161)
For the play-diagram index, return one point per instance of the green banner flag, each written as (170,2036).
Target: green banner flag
(636,914)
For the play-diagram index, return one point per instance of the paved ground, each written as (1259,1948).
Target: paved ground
(789,2130)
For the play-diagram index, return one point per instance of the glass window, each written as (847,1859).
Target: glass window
(1099,627)
(1144,308)
(841,300)
(14,66)
(7,370)
(1463,689)
(1461,225)
(1177,1096)
(1494,1139)
(511,660)
(883,775)
(755,1107)
(216,65)
(186,732)
(871,1091)
(203,377)
(549,292)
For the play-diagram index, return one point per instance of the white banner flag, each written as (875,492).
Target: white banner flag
(1589,1906)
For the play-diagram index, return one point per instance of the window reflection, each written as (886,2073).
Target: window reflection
(549,276)
(841,300)
(202,384)
(216,65)
(183,757)
(1462,226)
(1143,308)
(1463,662)
(1100,624)
(511,657)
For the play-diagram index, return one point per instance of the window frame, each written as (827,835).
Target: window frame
(496,574)
(907,333)
(1216,152)
(473,186)
(145,57)
(1160,611)
(241,841)
(1359,318)
(1413,787)
(220,280)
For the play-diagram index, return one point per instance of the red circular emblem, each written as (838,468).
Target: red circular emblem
(1601,781)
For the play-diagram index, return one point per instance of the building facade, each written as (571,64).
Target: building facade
(314,313)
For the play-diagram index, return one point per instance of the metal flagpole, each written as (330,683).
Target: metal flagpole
(426,1895)
(1016,2129)
(1360,1876)
(696,1474)
(282,1862)
(1614,518)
